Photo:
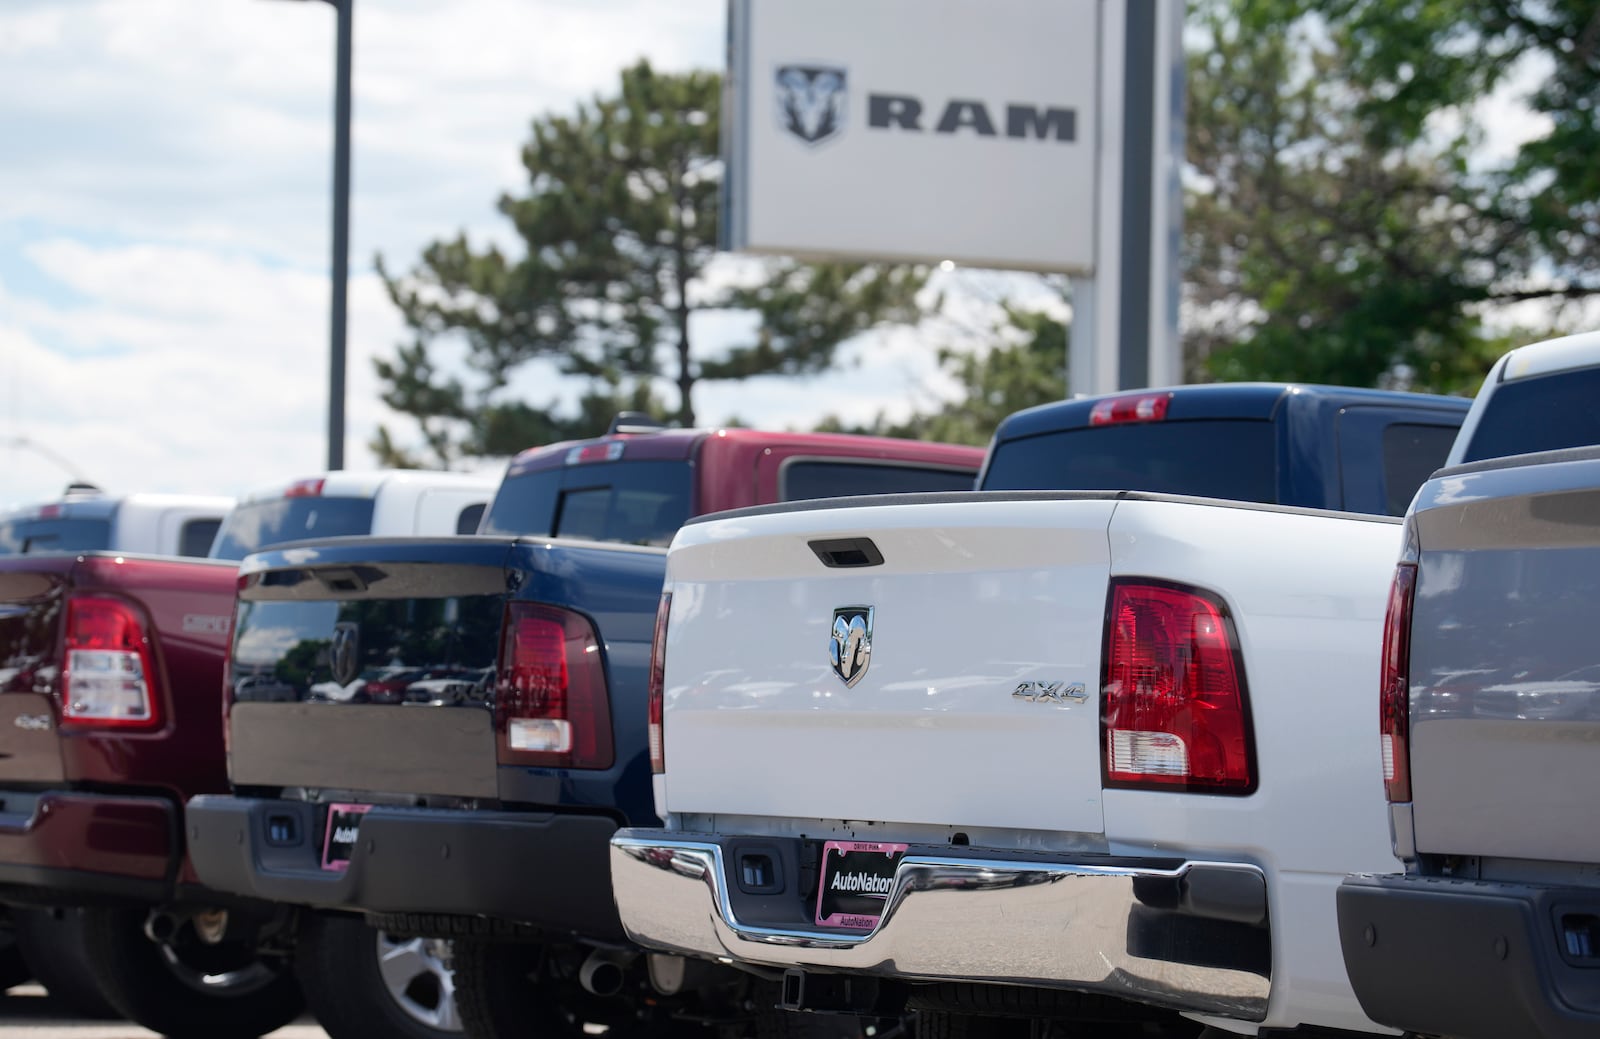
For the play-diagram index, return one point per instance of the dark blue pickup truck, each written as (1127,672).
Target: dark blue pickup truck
(442,735)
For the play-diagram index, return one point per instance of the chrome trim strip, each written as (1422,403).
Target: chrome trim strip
(1053,925)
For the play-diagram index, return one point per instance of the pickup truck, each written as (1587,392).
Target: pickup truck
(1489,720)
(111,681)
(431,741)
(87,520)
(1083,745)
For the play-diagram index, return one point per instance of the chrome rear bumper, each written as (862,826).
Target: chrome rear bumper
(948,918)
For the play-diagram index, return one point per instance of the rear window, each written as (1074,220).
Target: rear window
(1232,458)
(822,478)
(60,534)
(1546,413)
(635,503)
(197,535)
(471,516)
(1411,452)
(250,528)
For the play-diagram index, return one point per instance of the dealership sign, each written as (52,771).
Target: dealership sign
(925,130)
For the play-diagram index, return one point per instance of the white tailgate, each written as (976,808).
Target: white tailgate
(971,599)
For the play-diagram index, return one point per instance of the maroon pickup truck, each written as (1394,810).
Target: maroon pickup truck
(111,678)
(109,720)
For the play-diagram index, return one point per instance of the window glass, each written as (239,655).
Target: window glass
(524,504)
(58,534)
(258,525)
(1546,413)
(197,535)
(1222,458)
(823,478)
(1411,452)
(635,503)
(467,522)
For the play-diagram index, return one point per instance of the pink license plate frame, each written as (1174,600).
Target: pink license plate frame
(336,853)
(854,882)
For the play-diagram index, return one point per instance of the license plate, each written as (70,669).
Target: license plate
(344,825)
(855,881)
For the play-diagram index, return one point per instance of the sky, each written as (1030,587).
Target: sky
(165,207)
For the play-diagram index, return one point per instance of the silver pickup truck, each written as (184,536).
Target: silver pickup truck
(1491,725)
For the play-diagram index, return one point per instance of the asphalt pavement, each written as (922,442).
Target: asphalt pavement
(26,1011)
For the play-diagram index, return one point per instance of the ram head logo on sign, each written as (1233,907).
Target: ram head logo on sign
(811,101)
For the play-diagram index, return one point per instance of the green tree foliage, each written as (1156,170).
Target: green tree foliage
(1342,226)
(618,233)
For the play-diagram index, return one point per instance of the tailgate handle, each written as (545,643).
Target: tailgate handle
(844,552)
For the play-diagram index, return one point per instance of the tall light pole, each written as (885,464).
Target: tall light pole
(341,231)
(54,456)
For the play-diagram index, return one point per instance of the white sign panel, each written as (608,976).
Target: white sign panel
(926,130)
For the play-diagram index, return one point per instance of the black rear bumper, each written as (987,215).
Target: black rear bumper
(1473,959)
(549,871)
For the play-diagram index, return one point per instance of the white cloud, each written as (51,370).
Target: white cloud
(164,221)
(186,372)
(164,210)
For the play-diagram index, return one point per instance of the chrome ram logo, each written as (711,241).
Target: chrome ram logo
(811,101)
(850,643)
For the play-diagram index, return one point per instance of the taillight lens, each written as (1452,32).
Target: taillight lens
(1173,709)
(658,684)
(309,488)
(551,706)
(1394,700)
(1140,407)
(109,679)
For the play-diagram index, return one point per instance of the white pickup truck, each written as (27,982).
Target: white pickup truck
(86,519)
(1490,725)
(1101,756)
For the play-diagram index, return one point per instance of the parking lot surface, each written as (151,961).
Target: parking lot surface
(27,1011)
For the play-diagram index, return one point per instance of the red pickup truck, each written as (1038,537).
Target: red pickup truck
(111,670)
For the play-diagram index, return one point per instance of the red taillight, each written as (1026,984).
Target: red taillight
(108,678)
(49,511)
(1394,701)
(1173,708)
(658,686)
(1140,407)
(305,489)
(551,706)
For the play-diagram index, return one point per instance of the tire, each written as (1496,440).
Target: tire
(348,971)
(495,989)
(51,944)
(190,990)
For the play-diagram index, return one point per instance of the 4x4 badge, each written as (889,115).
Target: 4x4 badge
(850,643)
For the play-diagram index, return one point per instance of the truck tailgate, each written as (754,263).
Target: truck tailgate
(1505,680)
(368,671)
(31,611)
(955,598)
